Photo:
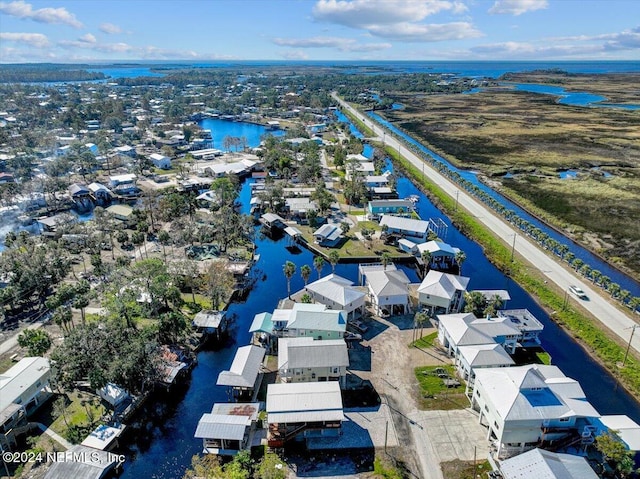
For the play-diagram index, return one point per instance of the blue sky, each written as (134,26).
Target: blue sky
(98,30)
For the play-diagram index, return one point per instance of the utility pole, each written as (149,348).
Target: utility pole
(513,247)
(456,209)
(626,353)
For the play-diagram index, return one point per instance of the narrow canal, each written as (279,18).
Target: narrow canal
(162,442)
(591,259)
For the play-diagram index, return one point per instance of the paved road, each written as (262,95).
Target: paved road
(598,304)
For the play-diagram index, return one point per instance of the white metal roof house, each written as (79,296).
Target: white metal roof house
(442,292)
(228,428)
(160,161)
(307,409)
(337,292)
(405,227)
(526,406)
(307,360)
(245,369)
(443,255)
(328,235)
(388,289)
(470,358)
(541,464)
(26,384)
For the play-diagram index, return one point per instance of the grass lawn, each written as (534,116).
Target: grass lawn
(83,410)
(353,247)
(465,470)
(425,341)
(544,357)
(434,394)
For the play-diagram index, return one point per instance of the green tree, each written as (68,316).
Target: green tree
(460,258)
(305,272)
(289,269)
(344,227)
(385,259)
(475,302)
(419,320)
(615,452)
(218,283)
(318,264)
(334,259)
(36,341)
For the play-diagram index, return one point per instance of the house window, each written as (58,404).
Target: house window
(564,419)
(486,407)
(313,375)
(495,424)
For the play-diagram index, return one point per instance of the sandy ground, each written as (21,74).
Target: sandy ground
(420,439)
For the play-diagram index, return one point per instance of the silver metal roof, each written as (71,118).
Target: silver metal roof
(304,402)
(222,426)
(244,369)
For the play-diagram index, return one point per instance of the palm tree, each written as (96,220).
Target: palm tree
(334,259)
(318,264)
(386,259)
(289,270)
(419,319)
(426,259)
(460,258)
(305,272)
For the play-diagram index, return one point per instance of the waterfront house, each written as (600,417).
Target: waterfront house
(117,180)
(328,235)
(365,168)
(160,161)
(121,212)
(228,428)
(377,208)
(99,193)
(442,254)
(104,437)
(523,407)
(307,360)
(26,384)
(527,324)
(539,463)
(377,181)
(78,191)
(405,227)
(83,462)
(388,288)
(303,409)
(472,357)
(13,423)
(442,292)
(114,395)
(244,375)
(337,292)
(313,320)
(209,323)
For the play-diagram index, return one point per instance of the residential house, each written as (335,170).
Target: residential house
(100,193)
(124,185)
(442,255)
(228,428)
(244,375)
(121,212)
(160,161)
(405,227)
(472,357)
(388,288)
(83,461)
(377,181)
(337,292)
(305,359)
(442,292)
(303,409)
(377,208)
(542,464)
(328,235)
(26,384)
(313,320)
(526,406)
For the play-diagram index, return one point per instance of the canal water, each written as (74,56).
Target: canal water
(589,258)
(164,442)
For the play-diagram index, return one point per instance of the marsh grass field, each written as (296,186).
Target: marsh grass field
(532,138)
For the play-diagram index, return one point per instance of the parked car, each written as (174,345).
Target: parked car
(578,292)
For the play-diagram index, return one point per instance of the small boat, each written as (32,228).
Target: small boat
(413,198)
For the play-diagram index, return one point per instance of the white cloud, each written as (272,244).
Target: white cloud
(23,10)
(420,32)
(37,40)
(88,38)
(362,13)
(399,20)
(342,44)
(522,50)
(110,28)
(295,55)
(100,47)
(517,7)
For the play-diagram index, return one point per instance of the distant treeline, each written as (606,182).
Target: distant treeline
(46,72)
